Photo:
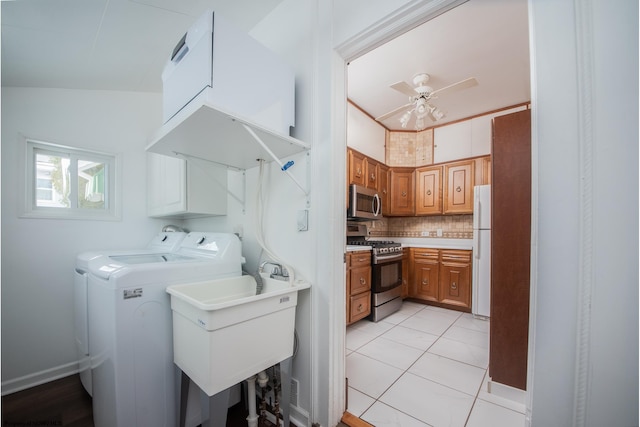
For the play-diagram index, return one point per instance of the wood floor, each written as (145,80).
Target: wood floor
(65,403)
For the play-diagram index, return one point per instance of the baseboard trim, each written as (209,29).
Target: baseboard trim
(507,392)
(38,378)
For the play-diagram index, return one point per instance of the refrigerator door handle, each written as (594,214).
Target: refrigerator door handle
(476,243)
(476,208)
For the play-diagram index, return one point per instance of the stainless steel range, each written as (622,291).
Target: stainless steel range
(386,271)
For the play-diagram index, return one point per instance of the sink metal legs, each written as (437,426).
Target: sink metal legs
(214,408)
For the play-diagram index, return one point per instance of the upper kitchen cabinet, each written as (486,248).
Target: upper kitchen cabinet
(357,166)
(372,169)
(384,188)
(458,187)
(402,192)
(429,190)
(180,189)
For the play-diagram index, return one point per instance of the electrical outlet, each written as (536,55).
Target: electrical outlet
(425,234)
(439,232)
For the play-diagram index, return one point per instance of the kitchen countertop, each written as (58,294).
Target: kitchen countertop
(353,248)
(432,242)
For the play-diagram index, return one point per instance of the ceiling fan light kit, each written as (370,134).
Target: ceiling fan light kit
(419,96)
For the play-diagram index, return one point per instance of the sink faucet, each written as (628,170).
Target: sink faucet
(278,272)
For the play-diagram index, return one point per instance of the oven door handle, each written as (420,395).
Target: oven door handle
(386,258)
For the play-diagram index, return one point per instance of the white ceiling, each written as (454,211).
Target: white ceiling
(485,39)
(124,44)
(104,44)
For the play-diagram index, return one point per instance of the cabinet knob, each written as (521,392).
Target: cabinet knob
(404,194)
(372,177)
(358,172)
(458,189)
(360,307)
(428,192)
(425,282)
(363,281)
(454,286)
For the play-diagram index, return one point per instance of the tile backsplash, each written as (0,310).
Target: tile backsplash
(452,226)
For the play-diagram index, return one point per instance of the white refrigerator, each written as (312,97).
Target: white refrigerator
(481,285)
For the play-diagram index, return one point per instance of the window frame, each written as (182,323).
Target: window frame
(112,193)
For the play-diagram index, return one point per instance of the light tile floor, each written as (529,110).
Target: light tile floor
(424,366)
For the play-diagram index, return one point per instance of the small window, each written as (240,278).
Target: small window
(66,182)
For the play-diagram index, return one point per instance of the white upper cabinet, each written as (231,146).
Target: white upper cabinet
(452,142)
(469,138)
(180,189)
(364,134)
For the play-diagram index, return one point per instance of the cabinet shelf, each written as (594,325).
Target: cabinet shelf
(206,131)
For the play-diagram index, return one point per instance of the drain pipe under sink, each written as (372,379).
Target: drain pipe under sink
(263,379)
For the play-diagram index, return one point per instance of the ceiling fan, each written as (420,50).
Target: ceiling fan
(420,96)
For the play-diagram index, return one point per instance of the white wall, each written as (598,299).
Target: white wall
(585,359)
(38,255)
(293,42)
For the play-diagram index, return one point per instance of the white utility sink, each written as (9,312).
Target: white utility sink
(223,333)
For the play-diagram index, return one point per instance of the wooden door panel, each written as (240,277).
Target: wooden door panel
(510,248)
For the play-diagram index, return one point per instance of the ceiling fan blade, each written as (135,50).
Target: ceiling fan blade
(394,112)
(404,87)
(464,84)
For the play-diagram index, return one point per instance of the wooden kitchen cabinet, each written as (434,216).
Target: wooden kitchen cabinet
(455,278)
(402,192)
(441,277)
(458,187)
(371,171)
(483,170)
(358,285)
(429,190)
(406,264)
(357,168)
(383,188)
(426,273)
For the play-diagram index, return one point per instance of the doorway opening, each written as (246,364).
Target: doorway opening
(377,104)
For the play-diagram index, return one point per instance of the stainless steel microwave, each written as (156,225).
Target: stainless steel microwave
(364,203)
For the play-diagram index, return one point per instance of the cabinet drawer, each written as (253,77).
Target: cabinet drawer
(360,259)
(360,306)
(425,253)
(462,256)
(360,280)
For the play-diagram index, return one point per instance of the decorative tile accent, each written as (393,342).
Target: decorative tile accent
(409,149)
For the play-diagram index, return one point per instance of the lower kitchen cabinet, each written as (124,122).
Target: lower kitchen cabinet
(358,285)
(441,277)
(455,278)
(426,269)
(406,264)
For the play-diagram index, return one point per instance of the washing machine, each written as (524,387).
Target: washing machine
(130,326)
(164,242)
